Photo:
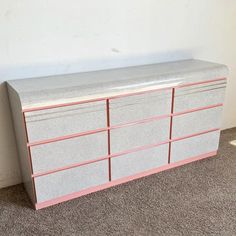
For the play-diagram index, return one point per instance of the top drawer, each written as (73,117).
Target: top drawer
(56,122)
(138,107)
(201,95)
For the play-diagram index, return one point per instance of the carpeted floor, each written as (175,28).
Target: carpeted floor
(196,199)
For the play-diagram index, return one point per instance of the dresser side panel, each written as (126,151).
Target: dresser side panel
(21,141)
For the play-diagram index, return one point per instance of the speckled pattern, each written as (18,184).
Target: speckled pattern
(195,199)
(58,89)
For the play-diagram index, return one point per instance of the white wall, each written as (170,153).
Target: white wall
(63,36)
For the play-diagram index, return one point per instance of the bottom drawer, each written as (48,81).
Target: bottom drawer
(137,162)
(72,180)
(195,146)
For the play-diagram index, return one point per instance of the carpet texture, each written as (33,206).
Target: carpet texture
(195,199)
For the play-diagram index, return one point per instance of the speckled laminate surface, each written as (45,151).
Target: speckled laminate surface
(195,199)
(90,85)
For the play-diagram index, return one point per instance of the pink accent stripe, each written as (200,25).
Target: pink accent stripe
(162,143)
(114,97)
(140,93)
(69,167)
(196,134)
(29,158)
(138,149)
(76,135)
(155,118)
(200,82)
(121,181)
(98,159)
(92,100)
(108,138)
(62,105)
(171,123)
(70,136)
(198,109)
(122,153)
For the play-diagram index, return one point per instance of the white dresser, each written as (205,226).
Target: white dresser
(81,133)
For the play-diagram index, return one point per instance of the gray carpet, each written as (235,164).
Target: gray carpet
(196,199)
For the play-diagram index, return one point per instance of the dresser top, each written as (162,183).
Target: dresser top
(51,90)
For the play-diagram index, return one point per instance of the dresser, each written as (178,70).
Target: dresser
(80,133)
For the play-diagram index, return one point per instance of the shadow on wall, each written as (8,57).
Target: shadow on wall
(9,166)
(86,64)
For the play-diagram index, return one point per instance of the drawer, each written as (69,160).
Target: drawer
(196,122)
(67,152)
(196,96)
(70,181)
(195,146)
(139,135)
(138,107)
(62,121)
(138,162)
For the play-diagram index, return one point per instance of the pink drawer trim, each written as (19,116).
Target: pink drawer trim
(121,154)
(147,120)
(200,82)
(171,122)
(61,138)
(69,167)
(120,181)
(29,157)
(107,129)
(92,100)
(198,109)
(117,96)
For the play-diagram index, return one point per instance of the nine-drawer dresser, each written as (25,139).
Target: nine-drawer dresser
(84,132)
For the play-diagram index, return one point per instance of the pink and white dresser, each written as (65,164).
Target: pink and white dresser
(85,132)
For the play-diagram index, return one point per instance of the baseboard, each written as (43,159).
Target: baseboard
(10,181)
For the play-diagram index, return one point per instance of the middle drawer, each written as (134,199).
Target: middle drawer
(195,122)
(130,137)
(68,152)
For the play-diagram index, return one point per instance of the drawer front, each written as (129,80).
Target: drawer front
(139,135)
(138,162)
(58,122)
(67,152)
(196,96)
(195,146)
(70,181)
(138,107)
(196,122)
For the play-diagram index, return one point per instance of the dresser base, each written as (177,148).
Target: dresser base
(121,181)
